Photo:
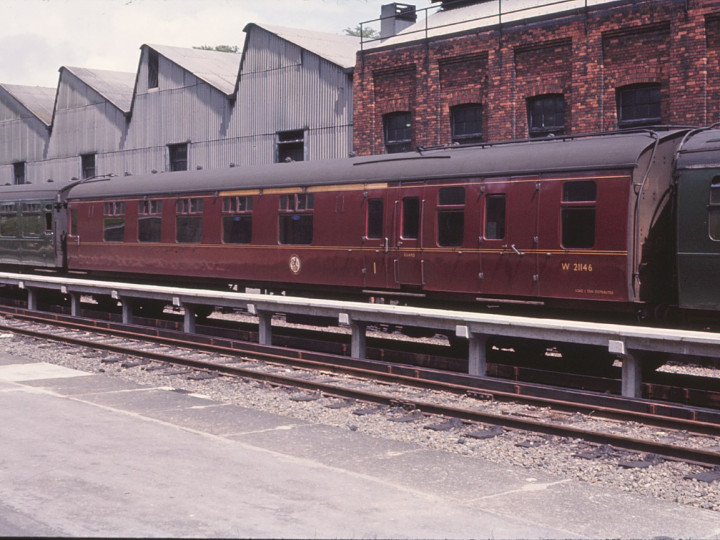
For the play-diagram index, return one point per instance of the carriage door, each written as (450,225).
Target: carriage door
(408,212)
(509,238)
(376,239)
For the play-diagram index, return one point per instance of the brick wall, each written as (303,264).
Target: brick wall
(583,56)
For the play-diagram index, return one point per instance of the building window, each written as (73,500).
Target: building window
(546,115)
(290,146)
(114,221)
(178,157)
(237,220)
(19,172)
(495,217)
(451,216)
(398,132)
(87,163)
(153,68)
(189,221)
(638,105)
(296,218)
(578,214)
(374,224)
(466,124)
(150,221)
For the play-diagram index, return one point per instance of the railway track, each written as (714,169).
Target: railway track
(344,379)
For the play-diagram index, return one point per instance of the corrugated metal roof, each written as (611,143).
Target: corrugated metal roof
(115,86)
(462,19)
(218,69)
(336,48)
(38,100)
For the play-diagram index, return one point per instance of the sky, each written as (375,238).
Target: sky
(40,36)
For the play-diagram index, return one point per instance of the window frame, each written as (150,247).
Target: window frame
(153,69)
(296,218)
(503,214)
(237,209)
(189,219)
(150,212)
(395,138)
(410,218)
(545,107)
(466,135)
(622,96)
(20,172)
(290,146)
(714,210)
(114,213)
(178,162)
(450,229)
(375,221)
(575,217)
(88,169)
(9,217)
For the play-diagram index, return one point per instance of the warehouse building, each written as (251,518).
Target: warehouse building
(288,96)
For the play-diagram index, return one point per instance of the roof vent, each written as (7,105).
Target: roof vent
(395,18)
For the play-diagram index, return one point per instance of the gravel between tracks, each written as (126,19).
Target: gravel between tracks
(553,455)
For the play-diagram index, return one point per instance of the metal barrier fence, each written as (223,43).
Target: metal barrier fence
(630,343)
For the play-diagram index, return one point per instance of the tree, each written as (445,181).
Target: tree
(219,48)
(363,32)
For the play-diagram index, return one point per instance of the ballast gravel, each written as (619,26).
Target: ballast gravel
(564,458)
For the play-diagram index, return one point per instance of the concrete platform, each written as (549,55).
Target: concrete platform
(89,455)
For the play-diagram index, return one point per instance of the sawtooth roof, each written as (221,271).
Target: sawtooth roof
(218,69)
(335,48)
(38,100)
(115,86)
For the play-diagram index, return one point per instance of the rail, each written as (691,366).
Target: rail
(630,343)
(493,16)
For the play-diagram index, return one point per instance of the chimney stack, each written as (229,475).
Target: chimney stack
(395,18)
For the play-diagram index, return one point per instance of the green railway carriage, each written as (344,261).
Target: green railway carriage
(698,222)
(30,230)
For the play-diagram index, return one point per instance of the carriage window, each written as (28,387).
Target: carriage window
(8,220)
(374,225)
(33,220)
(578,214)
(189,221)
(114,221)
(237,220)
(451,216)
(714,210)
(73,222)
(295,223)
(149,221)
(495,217)
(411,218)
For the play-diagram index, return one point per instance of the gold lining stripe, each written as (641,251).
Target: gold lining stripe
(348,249)
(282,191)
(239,193)
(347,187)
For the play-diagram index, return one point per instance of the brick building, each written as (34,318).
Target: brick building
(468,72)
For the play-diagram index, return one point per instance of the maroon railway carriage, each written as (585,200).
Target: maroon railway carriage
(545,222)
